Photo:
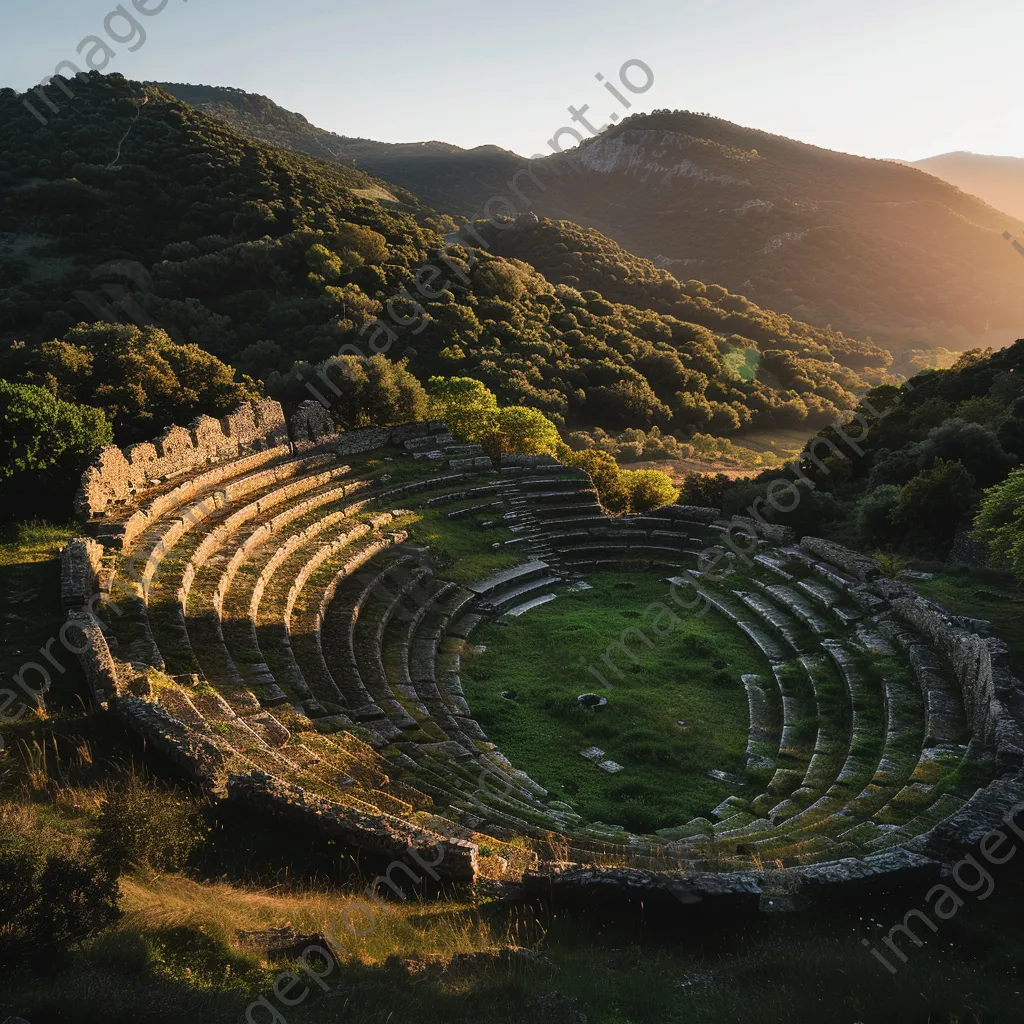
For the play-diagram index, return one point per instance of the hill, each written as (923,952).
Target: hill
(450,179)
(999,180)
(931,451)
(870,246)
(134,204)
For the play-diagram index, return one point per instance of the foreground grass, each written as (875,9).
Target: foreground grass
(176,956)
(691,675)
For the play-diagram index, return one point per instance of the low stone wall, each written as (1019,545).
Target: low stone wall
(730,894)
(86,639)
(80,563)
(770,532)
(199,756)
(694,513)
(512,459)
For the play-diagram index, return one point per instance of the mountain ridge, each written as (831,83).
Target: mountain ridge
(873,246)
(999,180)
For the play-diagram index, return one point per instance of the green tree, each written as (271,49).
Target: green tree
(38,431)
(932,506)
(1000,523)
(374,392)
(139,377)
(648,489)
(517,428)
(468,407)
(873,516)
(604,473)
(970,444)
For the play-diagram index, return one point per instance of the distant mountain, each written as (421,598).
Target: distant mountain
(999,180)
(869,246)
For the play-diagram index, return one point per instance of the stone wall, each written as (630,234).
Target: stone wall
(201,757)
(119,477)
(205,757)
(453,859)
(80,563)
(968,551)
(979,662)
(86,639)
(859,566)
(311,423)
(983,673)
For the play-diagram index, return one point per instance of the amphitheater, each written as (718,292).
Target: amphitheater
(256,600)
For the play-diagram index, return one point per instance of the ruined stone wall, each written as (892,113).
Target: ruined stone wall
(80,563)
(454,859)
(859,566)
(968,551)
(204,757)
(86,639)
(119,477)
(982,671)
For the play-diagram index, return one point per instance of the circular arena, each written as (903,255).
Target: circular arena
(385,636)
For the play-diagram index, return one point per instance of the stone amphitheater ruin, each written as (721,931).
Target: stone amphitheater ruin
(249,602)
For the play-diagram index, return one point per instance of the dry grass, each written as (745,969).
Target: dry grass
(222,910)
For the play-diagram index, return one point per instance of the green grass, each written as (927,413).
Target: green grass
(545,656)
(175,956)
(461,547)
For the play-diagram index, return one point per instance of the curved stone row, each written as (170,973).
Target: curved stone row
(270,626)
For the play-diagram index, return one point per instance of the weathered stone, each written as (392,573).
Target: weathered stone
(311,422)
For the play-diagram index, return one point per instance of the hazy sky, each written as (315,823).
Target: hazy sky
(883,78)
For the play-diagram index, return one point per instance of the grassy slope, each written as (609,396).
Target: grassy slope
(174,957)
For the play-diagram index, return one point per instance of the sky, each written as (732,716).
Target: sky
(902,79)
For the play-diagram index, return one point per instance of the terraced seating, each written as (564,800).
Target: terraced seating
(291,621)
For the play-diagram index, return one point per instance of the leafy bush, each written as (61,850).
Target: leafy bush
(49,905)
(143,825)
(38,431)
(1000,523)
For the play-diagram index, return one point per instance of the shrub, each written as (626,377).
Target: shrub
(142,825)
(49,905)
(39,431)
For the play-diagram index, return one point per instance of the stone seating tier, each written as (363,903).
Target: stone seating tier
(283,641)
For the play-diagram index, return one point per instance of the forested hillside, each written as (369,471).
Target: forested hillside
(914,469)
(869,246)
(242,263)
